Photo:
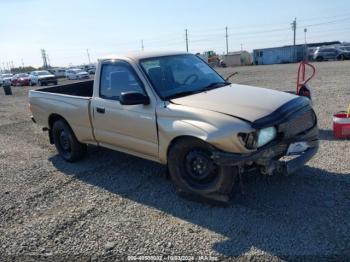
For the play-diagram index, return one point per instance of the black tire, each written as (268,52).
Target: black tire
(319,59)
(69,148)
(341,58)
(188,154)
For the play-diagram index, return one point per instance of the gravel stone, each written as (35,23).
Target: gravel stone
(109,246)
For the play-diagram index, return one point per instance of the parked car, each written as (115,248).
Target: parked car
(20,80)
(91,70)
(42,78)
(345,48)
(331,53)
(58,72)
(75,74)
(174,109)
(5,78)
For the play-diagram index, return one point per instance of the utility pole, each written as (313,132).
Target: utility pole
(48,61)
(305,48)
(22,63)
(142,46)
(43,54)
(241,47)
(294,28)
(88,55)
(186,31)
(226,29)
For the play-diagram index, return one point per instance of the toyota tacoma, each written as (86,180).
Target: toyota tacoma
(173,108)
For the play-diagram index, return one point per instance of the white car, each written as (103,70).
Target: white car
(42,78)
(5,78)
(73,74)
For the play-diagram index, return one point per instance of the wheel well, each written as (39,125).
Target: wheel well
(176,139)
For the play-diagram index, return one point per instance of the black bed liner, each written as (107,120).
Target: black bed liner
(83,88)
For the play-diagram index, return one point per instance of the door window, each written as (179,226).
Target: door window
(117,78)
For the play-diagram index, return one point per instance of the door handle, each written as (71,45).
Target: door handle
(100,110)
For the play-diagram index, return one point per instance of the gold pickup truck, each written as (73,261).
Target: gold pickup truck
(175,109)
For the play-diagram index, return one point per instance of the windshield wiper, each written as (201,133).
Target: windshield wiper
(215,85)
(206,88)
(185,93)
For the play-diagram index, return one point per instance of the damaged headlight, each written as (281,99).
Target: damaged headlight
(266,135)
(259,138)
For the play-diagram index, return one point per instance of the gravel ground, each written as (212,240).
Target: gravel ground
(111,205)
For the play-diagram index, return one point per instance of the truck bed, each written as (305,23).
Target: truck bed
(83,88)
(71,102)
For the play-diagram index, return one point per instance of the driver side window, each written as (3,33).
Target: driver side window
(117,78)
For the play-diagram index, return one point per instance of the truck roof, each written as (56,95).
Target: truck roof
(141,55)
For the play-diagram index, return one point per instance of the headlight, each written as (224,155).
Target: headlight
(259,138)
(266,135)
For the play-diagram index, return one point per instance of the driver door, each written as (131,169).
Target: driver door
(129,128)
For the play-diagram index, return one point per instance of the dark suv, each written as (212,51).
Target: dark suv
(331,53)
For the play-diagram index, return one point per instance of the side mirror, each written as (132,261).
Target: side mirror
(133,98)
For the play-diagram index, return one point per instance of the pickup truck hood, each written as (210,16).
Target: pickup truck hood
(241,101)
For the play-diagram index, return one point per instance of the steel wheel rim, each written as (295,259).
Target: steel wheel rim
(200,170)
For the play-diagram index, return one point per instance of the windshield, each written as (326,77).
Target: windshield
(6,75)
(76,71)
(41,73)
(23,75)
(180,75)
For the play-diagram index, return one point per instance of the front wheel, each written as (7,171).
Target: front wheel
(194,172)
(69,148)
(319,59)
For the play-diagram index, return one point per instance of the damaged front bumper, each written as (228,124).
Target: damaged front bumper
(267,158)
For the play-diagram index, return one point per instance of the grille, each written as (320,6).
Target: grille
(299,124)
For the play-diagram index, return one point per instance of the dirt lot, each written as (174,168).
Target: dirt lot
(112,204)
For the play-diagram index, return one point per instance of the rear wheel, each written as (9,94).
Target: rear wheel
(341,58)
(194,172)
(69,148)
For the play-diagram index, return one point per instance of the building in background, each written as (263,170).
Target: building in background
(287,54)
(239,58)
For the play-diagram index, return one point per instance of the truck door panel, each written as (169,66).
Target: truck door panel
(129,127)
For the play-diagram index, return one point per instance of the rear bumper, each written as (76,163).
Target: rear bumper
(265,158)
